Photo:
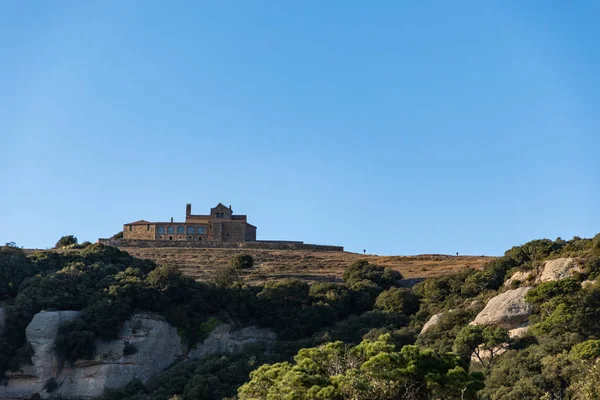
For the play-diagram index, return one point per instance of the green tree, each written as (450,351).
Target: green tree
(483,342)
(15,267)
(399,300)
(585,386)
(371,370)
(66,241)
(226,276)
(361,270)
(242,261)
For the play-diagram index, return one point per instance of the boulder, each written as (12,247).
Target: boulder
(157,345)
(520,276)
(560,268)
(588,283)
(518,332)
(224,340)
(508,310)
(433,321)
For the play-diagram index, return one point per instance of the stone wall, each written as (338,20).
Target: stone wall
(233,232)
(250,233)
(262,244)
(142,231)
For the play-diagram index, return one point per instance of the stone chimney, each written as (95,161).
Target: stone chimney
(188,210)
(171,219)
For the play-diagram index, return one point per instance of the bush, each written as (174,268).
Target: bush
(361,270)
(66,241)
(226,276)
(398,300)
(242,261)
(15,267)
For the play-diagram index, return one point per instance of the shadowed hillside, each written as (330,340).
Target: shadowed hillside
(312,266)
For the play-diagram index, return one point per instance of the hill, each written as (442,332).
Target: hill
(305,265)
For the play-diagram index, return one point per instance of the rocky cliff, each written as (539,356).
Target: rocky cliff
(152,346)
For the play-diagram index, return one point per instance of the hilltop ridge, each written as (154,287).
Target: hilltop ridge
(306,265)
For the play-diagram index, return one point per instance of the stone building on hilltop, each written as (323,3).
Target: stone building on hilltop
(220,226)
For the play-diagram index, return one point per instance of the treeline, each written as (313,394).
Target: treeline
(356,339)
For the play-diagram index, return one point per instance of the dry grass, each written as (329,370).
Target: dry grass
(311,266)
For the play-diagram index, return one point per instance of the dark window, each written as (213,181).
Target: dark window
(161,230)
(171,229)
(130,228)
(147,227)
(170,237)
(190,230)
(180,229)
(200,230)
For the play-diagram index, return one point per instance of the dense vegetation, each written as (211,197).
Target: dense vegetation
(353,340)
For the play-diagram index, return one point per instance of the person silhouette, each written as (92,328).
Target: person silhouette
(457,253)
(364,251)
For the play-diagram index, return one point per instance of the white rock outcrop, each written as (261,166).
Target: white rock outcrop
(156,342)
(508,309)
(157,345)
(41,333)
(588,283)
(518,332)
(431,322)
(224,340)
(555,270)
(520,276)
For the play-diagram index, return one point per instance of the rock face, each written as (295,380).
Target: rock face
(433,321)
(508,309)
(588,283)
(520,276)
(156,343)
(518,332)
(2,320)
(41,333)
(560,268)
(222,340)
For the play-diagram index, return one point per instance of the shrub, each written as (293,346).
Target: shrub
(399,300)
(242,261)
(361,270)
(14,268)
(66,241)
(226,276)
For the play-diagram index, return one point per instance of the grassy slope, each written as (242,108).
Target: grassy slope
(312,266)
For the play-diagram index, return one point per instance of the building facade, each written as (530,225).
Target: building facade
(220,226)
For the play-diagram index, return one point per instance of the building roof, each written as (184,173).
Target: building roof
(140,222)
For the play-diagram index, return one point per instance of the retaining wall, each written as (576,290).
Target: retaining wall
(260,244)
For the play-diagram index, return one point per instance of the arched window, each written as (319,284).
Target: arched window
(161,230)
(190,230)
(171,229)
(180,229)
(200,230)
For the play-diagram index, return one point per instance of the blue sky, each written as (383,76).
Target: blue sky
(400,128)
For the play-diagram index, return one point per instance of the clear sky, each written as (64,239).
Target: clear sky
(395,127)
